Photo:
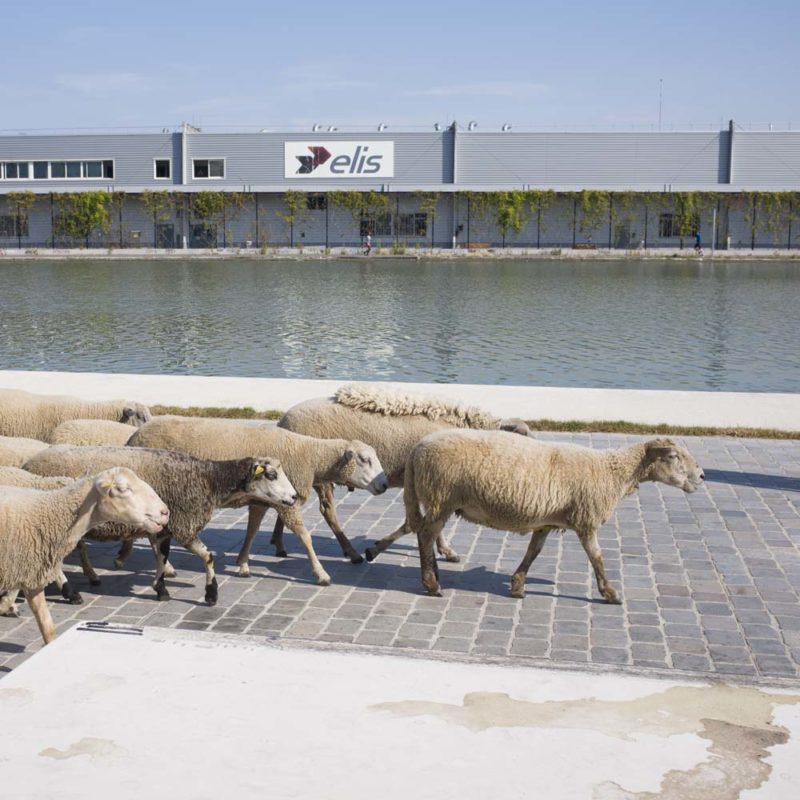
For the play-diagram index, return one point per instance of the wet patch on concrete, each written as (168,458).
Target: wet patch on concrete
(737,723)
(88,746)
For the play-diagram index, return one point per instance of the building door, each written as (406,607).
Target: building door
(622,236)
(165,235)
(203,235)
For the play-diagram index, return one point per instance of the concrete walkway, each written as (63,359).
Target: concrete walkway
(711,409)
(710,581)
(200,715)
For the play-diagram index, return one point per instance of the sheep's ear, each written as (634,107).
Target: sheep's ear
(514,425)
(661,449)
(104,486)
(349,455)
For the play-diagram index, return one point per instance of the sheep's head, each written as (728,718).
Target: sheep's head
(515,425)
(125,498)
(135,414)
(671,463)
(360,468)
(267,482)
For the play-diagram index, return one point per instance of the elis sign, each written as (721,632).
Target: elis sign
(338,159)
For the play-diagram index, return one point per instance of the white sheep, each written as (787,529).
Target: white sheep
(16,450)
(522,485)
(308,462)
(38,528)
(36,415)
(392,421)
(14,476)
(87,432)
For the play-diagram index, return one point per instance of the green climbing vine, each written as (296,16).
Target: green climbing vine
(295,209)
(21,204)
(80,214)
(594,206)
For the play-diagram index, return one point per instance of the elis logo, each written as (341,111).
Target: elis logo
(339,159)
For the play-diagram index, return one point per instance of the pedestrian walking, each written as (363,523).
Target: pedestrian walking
(698,244)
(368,245)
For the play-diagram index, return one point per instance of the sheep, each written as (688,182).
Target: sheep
(392,422)
(521,485)
(35,415)
(308,462)
(39,527)
(13,476)
(16,450)
(91,432)
(191,487)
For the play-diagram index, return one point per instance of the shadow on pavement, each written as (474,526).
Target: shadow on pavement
(758,480)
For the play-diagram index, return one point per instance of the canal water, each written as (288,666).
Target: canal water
(691,325)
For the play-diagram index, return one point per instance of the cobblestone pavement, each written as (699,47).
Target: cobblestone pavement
(710,581)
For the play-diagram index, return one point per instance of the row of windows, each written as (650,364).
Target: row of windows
(54,170)
(12,225)
(669,226)
(414,224)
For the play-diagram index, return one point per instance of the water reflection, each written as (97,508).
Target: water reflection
(615,324)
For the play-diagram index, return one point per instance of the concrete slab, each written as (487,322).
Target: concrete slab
(713,409)
(185,714)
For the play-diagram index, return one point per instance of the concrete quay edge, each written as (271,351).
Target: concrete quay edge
(780,411)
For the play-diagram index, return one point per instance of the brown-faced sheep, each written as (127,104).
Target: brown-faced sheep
(36,415)
(16,450)
(192,488)
(88,432)
(38,528)
(308,462)
(522,485)
(392,422)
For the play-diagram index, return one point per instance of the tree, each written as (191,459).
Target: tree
(83,213)
(22,203)
(296,203)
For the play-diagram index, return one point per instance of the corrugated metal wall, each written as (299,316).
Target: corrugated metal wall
(589,159)
(766,158)
(133,156)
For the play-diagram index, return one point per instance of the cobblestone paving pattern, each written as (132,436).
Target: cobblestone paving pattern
(710,581)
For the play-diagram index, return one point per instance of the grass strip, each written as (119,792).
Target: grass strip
(578,426)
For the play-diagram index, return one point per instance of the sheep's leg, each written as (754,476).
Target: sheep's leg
(158,584)
(72,596)
(126,548)
(200,550)
(277,538)
(327,506)
(383,544)
(426,536)
(294,522)
(535,546)
(8,604)
(86,564)
(41,614)
(256,512)
(589,541)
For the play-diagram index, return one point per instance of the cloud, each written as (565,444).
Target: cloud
(486,89)
(102,84)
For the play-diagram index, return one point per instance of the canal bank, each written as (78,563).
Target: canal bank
(779,411)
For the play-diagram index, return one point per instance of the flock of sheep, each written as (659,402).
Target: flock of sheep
(72,471)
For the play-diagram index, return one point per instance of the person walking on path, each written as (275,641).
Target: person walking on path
(368,245)
(698,244)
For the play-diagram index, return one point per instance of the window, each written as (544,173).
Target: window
(669,226)
(74,170)
(316,202)
(412,225)
(163,168)
(208,167)
(376,224)
(16,170)
(12,225)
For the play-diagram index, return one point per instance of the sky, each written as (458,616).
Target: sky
(408,64)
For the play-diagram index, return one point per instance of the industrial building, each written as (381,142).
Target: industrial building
(443,188)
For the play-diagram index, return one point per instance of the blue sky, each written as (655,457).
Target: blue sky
(405,63)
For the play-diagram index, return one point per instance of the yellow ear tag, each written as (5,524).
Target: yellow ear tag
(106,484)
(259,470)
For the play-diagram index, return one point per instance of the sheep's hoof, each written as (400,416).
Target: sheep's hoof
(356,559)
(244,571)
(169,571)
(613,598)
(452,557)
(94,581)
(212,592)
(371,553)
(118,563)
(162,594)
(75,599)
(11,613)
(324,580)
(281,553)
